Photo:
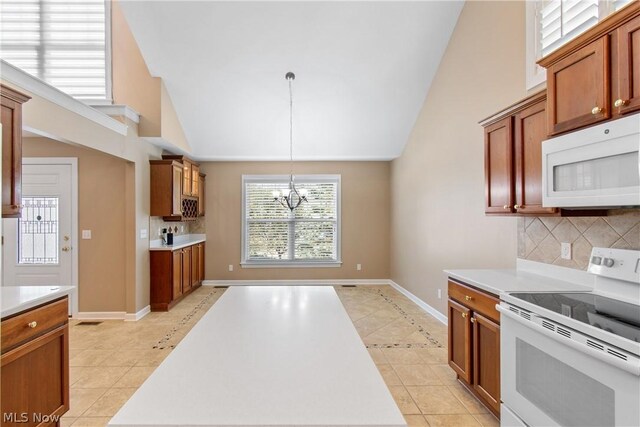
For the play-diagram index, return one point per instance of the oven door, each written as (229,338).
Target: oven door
(594,167)
(547,382)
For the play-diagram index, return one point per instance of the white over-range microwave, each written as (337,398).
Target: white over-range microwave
(595,167)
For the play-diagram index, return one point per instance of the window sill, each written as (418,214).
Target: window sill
(267,264)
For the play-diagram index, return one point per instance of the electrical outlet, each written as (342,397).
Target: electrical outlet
(230,267)
(182,228)
(439,293)
(565,250)
(358,267)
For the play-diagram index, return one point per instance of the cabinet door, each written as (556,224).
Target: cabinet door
(11,158)
(195,180)
(628,75)
(186,180)
(460,340)
(498,167)
(486,360)
(195,267)
(177,274)
(176,191)
(186,269)
(530,131)
(35,379)
(201,190)
(201,262)
(578,88)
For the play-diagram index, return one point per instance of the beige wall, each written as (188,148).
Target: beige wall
(437,185)
(365,219)
(101,209)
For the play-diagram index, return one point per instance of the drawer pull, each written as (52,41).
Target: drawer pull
(596,110)
(32,325)
(620,103)
(506,207)
(468,298)
(473,320)
(464,315)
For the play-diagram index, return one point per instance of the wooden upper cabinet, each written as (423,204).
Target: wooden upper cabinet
(530,131)
(166,188)
(195,180)
(201,191)
(186,174)
(11,104)
(626,87)
(578,88)
(459,340)
(176,190)
(498,166)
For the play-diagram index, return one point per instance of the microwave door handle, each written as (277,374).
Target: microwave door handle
(631,365)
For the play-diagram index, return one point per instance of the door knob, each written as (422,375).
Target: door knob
(66,249)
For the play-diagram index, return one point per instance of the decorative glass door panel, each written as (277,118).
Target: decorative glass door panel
(38,241)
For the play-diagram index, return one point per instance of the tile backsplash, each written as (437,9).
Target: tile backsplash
(539,238)
(183,227)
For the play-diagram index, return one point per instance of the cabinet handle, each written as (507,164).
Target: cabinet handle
(33,324)
(464,315)
(596,110)
(505,207)
(517,206)
(468,298)
(620,103)
(473,320)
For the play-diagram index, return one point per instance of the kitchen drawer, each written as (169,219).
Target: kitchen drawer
(30,324)
(476,300)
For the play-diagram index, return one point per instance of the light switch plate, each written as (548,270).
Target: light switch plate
(230,267)
(86,234)
(565,250)
(358,267)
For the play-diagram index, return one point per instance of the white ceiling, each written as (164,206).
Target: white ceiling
(362,69)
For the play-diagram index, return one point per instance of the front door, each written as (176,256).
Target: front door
(39,246)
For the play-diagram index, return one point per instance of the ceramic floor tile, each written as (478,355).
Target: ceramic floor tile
(487,420)
(80,399)
(452,421)
(404,401)
(377,356)
(433,356)
(417,375)
(436,400)
(402,356)
(91,422)
(468,400)
(99,377)
(135,376)
(110,402)
(415,421)
(389,375)
(445,373)
(67,421)
(90,357)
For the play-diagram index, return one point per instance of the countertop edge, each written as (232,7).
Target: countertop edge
(179,245)
(43,299)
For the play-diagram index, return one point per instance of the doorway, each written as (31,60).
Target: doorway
(40,248)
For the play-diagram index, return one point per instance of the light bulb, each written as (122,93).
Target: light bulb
(276,194)
(303,192)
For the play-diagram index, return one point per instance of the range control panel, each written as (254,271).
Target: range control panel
(621,264)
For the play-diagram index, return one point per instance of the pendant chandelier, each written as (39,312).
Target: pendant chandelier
(292,197)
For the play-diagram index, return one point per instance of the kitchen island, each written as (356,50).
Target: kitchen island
(267,355)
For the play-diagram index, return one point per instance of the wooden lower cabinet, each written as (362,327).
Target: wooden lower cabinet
(35,372)
(174,274)
(474,342)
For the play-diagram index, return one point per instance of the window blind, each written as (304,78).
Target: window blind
(63,42)
(275,234)
(563,20)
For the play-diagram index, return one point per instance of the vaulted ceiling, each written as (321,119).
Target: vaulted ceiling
(362,69)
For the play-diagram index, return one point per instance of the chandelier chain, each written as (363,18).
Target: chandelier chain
(291,126)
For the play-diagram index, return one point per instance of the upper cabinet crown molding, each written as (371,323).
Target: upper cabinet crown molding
(514,108)
(604,27)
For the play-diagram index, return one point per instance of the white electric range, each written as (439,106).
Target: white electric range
(573,359)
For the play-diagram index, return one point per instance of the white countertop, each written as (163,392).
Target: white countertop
(499,281)
(267,356)
(14,299)
(179,242)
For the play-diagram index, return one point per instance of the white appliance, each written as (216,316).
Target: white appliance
(573,359)
(595,167)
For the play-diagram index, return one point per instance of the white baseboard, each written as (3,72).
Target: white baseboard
(330,282)
(100,315)
(423,305)
(134,317)
(320,282)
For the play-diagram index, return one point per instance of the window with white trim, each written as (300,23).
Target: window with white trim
(273,235)
(63,42)
(553,23)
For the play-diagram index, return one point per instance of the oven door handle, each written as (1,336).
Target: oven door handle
(631,365)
